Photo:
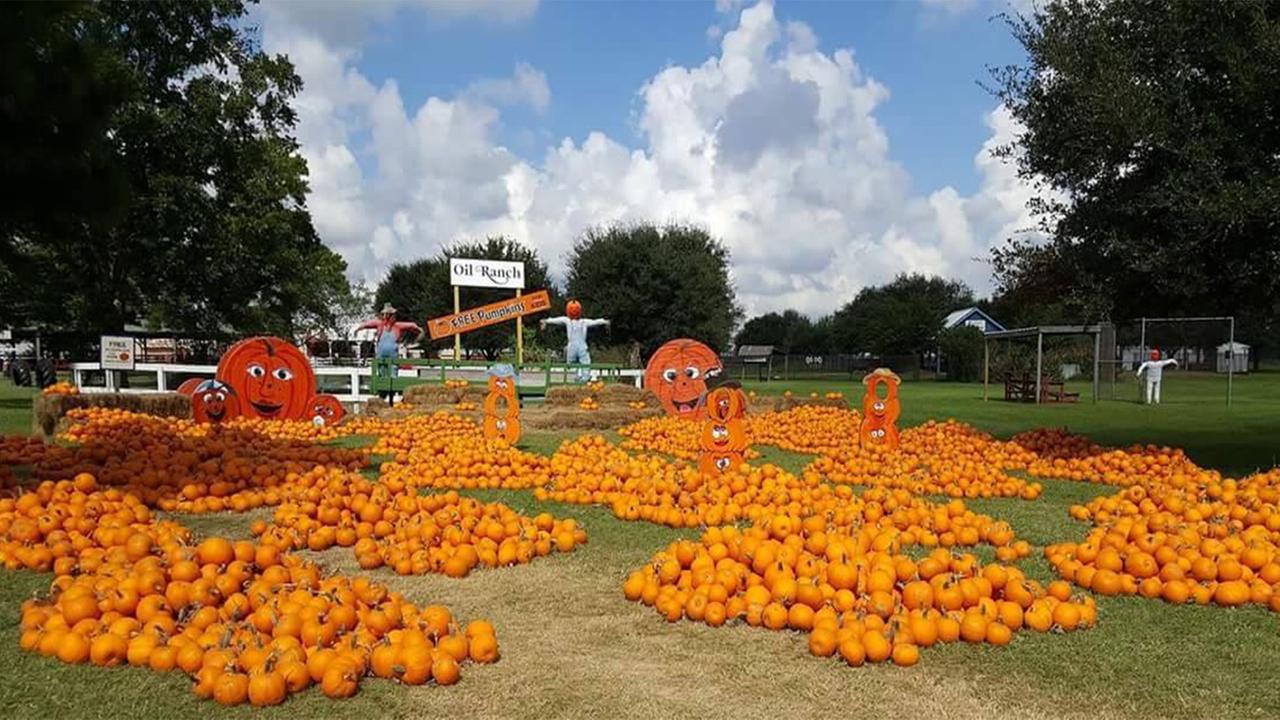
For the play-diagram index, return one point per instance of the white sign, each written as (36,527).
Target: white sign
(486,273)
(118,352)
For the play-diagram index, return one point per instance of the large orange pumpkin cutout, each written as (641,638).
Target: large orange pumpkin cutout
(214,402)
(272,379)
(880,415)
(502,405)
(326,410)
(724,434)
(678,372)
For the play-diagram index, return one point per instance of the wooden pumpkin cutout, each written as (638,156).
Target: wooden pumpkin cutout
(326,410)
(502,405)
(272,379)
(724,433)
(214,402)
(880,415)
(677,373)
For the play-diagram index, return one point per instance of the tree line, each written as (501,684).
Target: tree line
(153,176)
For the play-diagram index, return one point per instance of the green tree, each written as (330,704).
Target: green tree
(788,331)
(420,290)
(655,283)
(961,347)
(173,156)
(1158,123)
(904,316)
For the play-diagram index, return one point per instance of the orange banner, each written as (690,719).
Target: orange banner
(487,315)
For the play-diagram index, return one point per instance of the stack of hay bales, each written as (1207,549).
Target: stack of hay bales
(48,410)
(430,398)
(562,411)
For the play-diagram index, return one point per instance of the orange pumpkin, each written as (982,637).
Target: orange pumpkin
(718,463)
(326,410)
(880,415)
(677,373)
(505,427)
(272,379)
(214,402)
(726,403)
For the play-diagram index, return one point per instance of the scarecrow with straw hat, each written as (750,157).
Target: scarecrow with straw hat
(1154,368)
(389,333)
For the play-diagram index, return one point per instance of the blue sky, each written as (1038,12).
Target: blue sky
(829,145)
(597,55)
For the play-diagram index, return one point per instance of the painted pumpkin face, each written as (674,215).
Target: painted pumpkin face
(726,403)
(506,427)
(718,464)
(326,410)
(677,373)
(272,378)
(880,415)
(573,309)
(214,402)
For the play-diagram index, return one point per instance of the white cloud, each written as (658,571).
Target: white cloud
(771,143)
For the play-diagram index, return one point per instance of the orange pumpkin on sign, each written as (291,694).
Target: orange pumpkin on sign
(327,410)
(880,415)
(272,379)
(213,402)
(677,373)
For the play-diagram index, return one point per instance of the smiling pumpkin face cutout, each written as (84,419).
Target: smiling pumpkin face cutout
(326,411)
(678,372)
(213,402)
(880,414)
(273,379)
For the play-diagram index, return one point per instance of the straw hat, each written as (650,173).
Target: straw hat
(388,310)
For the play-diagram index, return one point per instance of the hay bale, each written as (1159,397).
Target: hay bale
(575,419)
(623,393)
(431,394)
(48,410)
(566,395)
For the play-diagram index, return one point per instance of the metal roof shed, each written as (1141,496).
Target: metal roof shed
(1039,332)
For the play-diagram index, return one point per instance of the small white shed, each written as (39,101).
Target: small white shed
(1234,356)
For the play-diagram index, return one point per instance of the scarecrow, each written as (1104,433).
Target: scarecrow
(389,333)
(576,326)
(1154,368)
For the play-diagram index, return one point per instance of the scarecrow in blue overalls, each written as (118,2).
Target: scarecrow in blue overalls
(576,326)
(389,333)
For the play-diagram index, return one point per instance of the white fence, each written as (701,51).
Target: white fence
(350,391)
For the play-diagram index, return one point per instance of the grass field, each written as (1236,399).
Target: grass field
(574,648)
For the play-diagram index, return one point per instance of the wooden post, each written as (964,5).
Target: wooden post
(986,367)
(1097,355)
(457,339)
(519,336)
(1039,360)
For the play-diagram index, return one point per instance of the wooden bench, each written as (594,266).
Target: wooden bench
(1022,388)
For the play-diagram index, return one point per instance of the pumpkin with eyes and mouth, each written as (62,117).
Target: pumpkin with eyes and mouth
(724,435)
(272,379)
(213,402)
(677,373)
(502,405)
(880,415)
(326,410)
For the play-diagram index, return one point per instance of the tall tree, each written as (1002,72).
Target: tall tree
(1158,123)
(904,316)
(788,332)
(422,290)
(655,283)
(184,189)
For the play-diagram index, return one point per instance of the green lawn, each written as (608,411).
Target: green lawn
(574,648)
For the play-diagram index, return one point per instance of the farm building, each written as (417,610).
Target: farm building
(972,317)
